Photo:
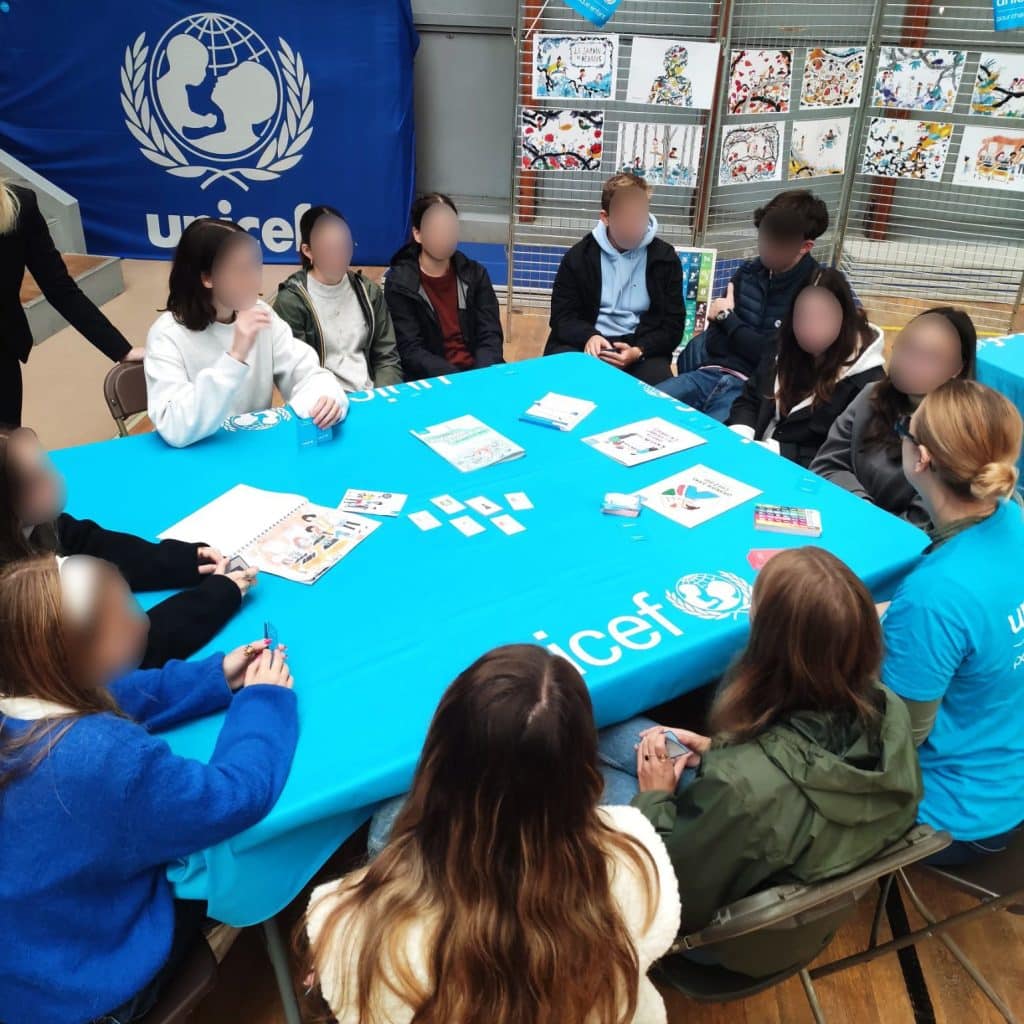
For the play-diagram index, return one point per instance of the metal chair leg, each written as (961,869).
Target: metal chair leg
(278,955)
(975,975)
(812,997)
(884,885)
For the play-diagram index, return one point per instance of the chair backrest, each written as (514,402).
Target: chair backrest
(124,389)
(785,907)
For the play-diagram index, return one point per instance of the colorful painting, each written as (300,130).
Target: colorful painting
(910,79)
(999,85)
(906,149)
(760,81)
(672,72)
(750,153)
(562,140)
(698,267)
(574,67)
(663,154)
(991,159)
(818,148)
(832,78)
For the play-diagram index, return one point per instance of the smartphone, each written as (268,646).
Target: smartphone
(674,747)
(236,564)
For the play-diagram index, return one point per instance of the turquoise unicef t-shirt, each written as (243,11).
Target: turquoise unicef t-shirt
(955,632)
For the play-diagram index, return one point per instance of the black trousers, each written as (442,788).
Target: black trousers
(10,391)
(652,370)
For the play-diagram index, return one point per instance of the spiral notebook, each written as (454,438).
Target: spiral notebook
(282,534)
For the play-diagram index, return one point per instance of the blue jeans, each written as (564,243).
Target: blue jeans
(963,851)
(711,392)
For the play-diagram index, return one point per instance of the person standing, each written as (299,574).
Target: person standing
(25,243)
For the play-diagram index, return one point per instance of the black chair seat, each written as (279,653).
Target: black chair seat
(990,876)
(186,991)
(709,983)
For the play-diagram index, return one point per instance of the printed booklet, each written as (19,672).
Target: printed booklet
(643,441)
(468,444)
(696,495)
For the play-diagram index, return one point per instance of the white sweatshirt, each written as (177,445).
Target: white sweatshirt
(628,893)
(194,385)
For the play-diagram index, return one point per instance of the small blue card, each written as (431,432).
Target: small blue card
(597,11)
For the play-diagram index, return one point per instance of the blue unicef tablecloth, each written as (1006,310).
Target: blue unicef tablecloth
(375,642)
(1001,366)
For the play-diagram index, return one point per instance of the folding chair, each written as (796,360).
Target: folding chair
(124,389)
(781,909)
(190,986)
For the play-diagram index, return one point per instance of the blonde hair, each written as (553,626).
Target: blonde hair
(622,182)
(9,207)
(974,437)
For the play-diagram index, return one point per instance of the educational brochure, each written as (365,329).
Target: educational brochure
(696,495)
(640,442)
(468,444)
(282,534)
(558,411)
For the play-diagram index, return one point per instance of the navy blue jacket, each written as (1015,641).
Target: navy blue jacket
(761,300)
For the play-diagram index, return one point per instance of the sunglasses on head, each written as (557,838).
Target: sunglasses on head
(902,428)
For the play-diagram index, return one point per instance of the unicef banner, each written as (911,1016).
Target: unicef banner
(154,114)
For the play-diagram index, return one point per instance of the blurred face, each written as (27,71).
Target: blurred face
(329,248)
(926,354)
(120,630)
(628,218)
(40,488)
(237,274)
(438,232)
(780,255)
(817,320)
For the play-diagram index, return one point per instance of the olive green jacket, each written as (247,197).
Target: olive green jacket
(809,799)
(293,305)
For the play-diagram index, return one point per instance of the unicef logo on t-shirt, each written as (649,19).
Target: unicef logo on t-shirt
(711,595)
(263,420)
(212,101)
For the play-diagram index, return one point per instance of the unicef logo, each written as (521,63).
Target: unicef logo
(212,101)
(263,420)
(711,595)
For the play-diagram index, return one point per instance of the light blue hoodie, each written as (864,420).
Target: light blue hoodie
(623,283)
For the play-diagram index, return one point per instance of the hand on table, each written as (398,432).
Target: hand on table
(238,662)
(210,561)
(622,354)
(326,412)
(596,344)
(269,669)
(245,579)
(248,324)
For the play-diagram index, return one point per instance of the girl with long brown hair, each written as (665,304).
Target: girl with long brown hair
(94,806)
(827,352)
(505,893)
(954,632)
(809,769)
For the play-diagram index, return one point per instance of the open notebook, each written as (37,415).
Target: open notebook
(282,534)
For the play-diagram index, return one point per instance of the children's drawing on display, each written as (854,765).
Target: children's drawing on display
(750,153)
(662,154)
(574,66)
(562,140)
(909,79)
(760,81)
(999,85)
(672,72)
(991,159)
(832,78)
(906,149)
(818,148)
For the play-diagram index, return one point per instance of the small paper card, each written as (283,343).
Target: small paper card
(483,505)
(446,503)
(636,443)
(508,525)
(425,520)
(558,411)
(467,525)
(518,501)
(373,503)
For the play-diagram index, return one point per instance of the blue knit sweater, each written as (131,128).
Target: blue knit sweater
(86,910)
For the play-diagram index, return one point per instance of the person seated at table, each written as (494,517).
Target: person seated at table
(809,770)
(337,311)
(94,806)
(954,632)
(33,521)
(505,893)
(618,293)
(862,452)
(218,351)
(743,324)
(827,354)
(442,302)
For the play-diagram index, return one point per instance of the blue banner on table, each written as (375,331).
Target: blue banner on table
(596,11)
(1008,14)
(154,114)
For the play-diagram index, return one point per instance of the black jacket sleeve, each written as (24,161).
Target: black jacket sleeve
(746,410)
(50,273)
(490,342)
(417,360)
(834,460)
(185,622)
(746,342)
(567,307)
(145,565)
(661,328)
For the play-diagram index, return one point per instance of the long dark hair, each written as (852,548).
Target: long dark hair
(815,645)
(889,404)
(501,852)
(306,223)
(799,374)
(201,245)
(14,545)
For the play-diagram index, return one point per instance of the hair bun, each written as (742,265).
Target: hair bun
(994,480)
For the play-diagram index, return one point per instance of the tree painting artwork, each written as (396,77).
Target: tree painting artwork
(750,153)
(760,81)
(574,66)
(662,154)
(818,148)
(562,140)
(909,79)
(999,85)
(990,158)
(832,78)
(906,149)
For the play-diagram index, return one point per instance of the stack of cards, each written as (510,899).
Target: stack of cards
(558,411)
(616,504)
